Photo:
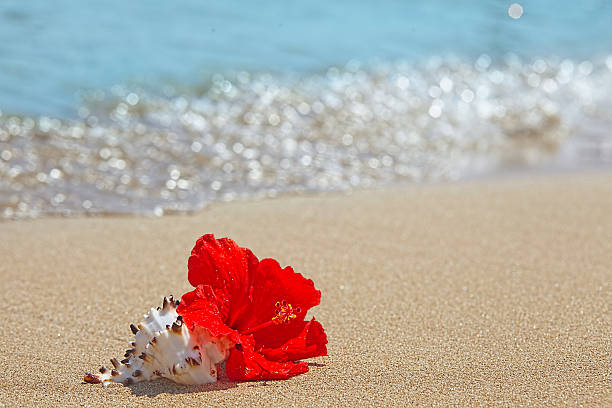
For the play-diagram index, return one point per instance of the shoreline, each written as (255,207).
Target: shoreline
(480,292)
(551,171)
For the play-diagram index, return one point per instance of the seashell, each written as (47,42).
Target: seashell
(164,347)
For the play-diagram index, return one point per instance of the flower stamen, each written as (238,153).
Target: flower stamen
(284,313)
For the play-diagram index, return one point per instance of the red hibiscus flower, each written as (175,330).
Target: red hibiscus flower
(256,307)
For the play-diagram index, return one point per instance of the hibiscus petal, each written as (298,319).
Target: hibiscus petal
(310,342)
(228,269)
(245,364)
(199,308)
(273,284)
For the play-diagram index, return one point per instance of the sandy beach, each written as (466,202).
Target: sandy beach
(493,292)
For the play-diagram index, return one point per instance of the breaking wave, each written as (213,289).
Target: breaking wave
(256,134)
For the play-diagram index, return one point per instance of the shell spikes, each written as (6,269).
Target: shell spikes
(164,347)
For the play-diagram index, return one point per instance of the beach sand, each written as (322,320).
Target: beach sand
(491,292)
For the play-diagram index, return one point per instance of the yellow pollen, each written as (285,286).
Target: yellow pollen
(284,313)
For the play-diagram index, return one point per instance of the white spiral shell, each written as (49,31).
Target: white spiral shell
(164,347)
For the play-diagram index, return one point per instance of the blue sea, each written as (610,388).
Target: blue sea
(151,107)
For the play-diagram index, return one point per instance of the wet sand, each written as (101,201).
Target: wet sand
(479,293)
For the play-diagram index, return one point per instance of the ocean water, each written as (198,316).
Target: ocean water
(156,107)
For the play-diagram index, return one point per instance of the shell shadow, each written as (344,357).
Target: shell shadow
(164,386)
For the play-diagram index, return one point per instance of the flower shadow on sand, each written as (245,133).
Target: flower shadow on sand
(164,386)
(160,386)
